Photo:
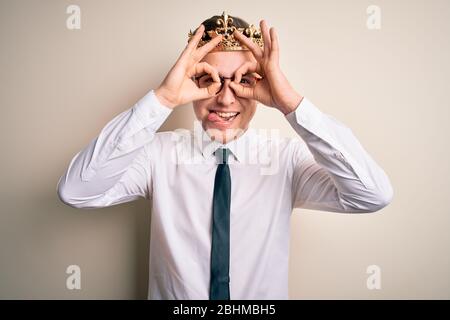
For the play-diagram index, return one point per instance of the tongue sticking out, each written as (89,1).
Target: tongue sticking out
(214,117)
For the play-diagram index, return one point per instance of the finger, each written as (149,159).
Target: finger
(245,68)
(203,67)
(254,48)
(274,52)
(193,42)
(208,92)
(241,91)
(266,37)
(202,51)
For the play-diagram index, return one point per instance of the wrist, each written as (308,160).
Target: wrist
(162,98)
(292,104)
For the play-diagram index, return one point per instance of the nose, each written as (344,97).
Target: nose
(226,94)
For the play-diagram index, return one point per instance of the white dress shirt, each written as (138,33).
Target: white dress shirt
(325,168)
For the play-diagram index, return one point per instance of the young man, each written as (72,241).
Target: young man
(222,195)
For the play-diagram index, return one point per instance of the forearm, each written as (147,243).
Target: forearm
(361,183)
(93,178)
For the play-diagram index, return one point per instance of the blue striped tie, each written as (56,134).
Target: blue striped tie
(220,246)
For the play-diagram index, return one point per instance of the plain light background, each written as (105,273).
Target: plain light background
(59,87)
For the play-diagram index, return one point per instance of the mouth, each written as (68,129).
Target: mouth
(222,118)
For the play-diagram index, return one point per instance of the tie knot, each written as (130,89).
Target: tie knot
(223,154)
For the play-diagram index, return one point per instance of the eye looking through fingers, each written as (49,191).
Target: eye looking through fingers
(247,80)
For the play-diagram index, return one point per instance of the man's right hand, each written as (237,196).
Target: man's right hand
(178,88)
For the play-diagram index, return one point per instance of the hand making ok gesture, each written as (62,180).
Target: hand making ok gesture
(274,90)
(178,88)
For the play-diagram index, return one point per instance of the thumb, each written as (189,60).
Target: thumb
(241,91)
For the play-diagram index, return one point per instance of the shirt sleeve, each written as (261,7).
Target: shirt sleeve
(115,167)
(331,169)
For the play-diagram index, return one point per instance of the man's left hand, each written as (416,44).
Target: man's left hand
(273,90)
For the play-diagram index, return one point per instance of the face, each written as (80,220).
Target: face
(212,112)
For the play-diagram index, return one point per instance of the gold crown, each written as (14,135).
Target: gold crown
(225,27)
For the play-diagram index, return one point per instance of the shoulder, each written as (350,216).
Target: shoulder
(272,139)
(165,138)
(165,143)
